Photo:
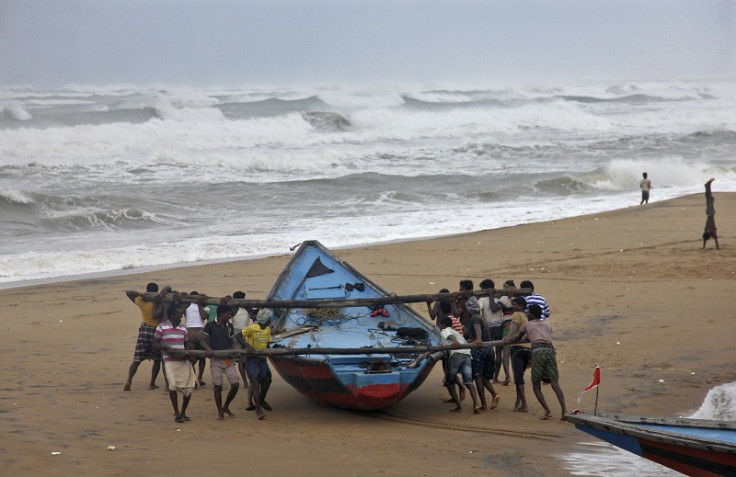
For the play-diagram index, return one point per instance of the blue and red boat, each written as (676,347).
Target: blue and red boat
(362,381)
(692,446)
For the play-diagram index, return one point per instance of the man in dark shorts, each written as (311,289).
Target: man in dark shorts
(258,336)
(521,353)
(460,363)
(144,344)
(645,185)
(483,361)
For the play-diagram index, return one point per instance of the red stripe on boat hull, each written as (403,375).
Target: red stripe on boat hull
(316,380)
(689,461)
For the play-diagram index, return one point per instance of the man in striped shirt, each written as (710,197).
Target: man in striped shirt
(535,299)
(169,338)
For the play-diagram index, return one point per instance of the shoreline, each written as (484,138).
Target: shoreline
(30,282)
(630,289)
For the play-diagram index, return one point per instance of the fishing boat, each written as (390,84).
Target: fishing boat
(356,320)
(691,446)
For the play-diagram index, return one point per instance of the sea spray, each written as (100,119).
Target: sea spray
(110,178)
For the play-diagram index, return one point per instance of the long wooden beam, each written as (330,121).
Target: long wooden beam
(319,303)
(332,351)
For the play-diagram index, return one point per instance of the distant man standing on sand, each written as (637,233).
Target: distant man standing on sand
(710,212)
(645,185)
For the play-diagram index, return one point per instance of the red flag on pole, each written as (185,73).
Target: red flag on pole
(596,379)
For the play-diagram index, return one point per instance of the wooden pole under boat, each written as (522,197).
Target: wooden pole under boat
(338,351)
(320,303)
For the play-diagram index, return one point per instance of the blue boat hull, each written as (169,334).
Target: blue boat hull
(690,446)
(361,381)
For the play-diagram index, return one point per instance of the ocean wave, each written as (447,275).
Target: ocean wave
(125,219)
(326,120)
(630,99)
(719,404)
(271,107)
(561,186)
(443,103)
(728,135)
(16,197)
(345,165)
(40,118)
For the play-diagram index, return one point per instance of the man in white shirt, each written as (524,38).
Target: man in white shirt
(458,362)
(241,320)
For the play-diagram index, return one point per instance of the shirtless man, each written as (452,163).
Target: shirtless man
(544,357)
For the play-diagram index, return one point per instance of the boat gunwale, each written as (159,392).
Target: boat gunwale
(431,327)
(628,425)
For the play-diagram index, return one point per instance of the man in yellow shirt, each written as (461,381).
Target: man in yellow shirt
(144,344)
(258,336)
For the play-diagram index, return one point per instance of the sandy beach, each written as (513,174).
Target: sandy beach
(631,290)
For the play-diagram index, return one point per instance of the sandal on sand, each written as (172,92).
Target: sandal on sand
(179,419)
(250,408)
(266,406)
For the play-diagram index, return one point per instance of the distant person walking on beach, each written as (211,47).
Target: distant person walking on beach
(645,185)
(710,212)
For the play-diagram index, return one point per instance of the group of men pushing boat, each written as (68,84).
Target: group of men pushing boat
(517,324)
(163,337)
(524,335)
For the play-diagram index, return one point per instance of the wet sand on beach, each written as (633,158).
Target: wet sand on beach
(631,290)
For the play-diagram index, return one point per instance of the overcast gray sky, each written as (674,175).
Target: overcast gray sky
(49,43)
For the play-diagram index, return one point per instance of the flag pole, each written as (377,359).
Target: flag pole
(595,409)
